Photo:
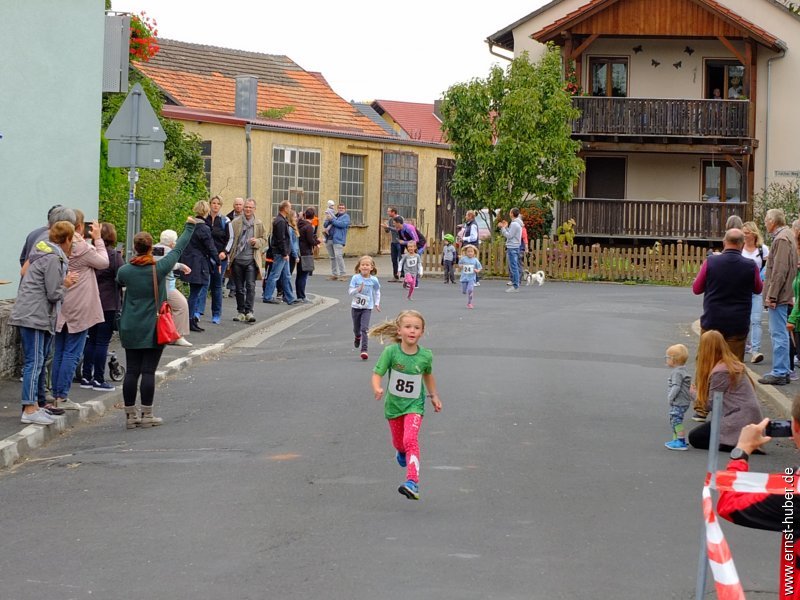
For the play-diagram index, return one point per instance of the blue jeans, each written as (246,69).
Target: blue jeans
(513,265)
(69,349)
(35,347)
(780,341)
(279,269)
(197,299)
(215,284)
(755,323)
(96,348)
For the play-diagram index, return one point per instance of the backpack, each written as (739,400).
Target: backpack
(422,241)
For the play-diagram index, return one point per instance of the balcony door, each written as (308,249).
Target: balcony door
(605,177)
(724,80)
(609,76)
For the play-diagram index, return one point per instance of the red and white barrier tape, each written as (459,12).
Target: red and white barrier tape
(755,483)
(726,579)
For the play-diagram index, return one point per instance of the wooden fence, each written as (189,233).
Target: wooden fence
(675,264)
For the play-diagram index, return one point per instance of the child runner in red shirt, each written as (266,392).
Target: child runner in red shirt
(410,374)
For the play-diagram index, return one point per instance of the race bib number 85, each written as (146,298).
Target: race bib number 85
(404,385)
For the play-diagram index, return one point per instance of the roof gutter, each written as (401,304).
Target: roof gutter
(766,132)
(493,53)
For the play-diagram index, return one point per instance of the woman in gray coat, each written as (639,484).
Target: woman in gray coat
(45,280)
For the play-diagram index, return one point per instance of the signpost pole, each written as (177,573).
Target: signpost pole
(713,456)
(133,205)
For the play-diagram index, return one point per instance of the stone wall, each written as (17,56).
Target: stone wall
(10,347)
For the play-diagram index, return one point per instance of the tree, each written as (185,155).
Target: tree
(511,136)
(167,194)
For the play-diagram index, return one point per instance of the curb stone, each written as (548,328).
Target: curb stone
(16,447)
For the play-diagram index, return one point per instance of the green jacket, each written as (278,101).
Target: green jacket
(794,317)
(137,326)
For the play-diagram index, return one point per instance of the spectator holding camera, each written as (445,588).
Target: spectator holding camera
(772,512)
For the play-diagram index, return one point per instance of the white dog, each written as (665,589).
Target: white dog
(538,277)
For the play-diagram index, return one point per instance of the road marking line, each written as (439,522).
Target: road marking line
(255,340)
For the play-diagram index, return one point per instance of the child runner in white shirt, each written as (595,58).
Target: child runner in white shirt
(410,374)
(470,267)
(411,266)
(366,292)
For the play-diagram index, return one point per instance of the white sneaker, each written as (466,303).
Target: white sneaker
(37,418)
(182,341)
(512,290)
(509,283)
(477,283)
(68,404)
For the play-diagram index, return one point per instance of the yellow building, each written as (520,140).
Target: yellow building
(273,131)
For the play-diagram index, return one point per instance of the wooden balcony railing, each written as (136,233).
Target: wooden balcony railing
(661,117)
(654,219)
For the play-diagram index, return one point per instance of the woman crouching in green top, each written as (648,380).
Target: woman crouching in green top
(137,327)
(410,373)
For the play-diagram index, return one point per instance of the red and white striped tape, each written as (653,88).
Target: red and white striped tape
(755,483)
(726,579)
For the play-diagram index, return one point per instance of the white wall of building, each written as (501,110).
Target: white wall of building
(50,103)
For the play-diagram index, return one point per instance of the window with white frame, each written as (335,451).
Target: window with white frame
(351,186)
(295,177)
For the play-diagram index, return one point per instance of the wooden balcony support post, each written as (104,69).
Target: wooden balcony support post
(727,43)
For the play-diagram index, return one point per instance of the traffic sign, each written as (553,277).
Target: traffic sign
(135,136)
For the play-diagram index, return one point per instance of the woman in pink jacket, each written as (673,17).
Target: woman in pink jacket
(81,309)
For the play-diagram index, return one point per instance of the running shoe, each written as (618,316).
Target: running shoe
(676,445)
(401,458)
(410,490)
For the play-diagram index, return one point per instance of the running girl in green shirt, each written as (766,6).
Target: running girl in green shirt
(410,374)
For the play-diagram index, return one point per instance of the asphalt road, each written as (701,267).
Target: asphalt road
(544,477)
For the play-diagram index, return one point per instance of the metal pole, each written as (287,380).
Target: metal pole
(133,209)
(713,456)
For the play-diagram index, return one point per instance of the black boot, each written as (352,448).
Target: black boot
(194,325)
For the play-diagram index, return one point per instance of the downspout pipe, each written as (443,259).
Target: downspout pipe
(766,125)
(249,166)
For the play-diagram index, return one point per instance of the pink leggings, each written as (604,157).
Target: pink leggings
(405,431)
(411,282)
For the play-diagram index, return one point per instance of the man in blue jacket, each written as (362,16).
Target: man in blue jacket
(336,228)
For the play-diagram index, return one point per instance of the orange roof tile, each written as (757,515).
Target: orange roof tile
(417,119)
(203,77)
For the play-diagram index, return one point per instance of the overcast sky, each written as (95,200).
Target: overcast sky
(412,50)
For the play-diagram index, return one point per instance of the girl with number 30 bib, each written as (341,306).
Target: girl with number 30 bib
(410,374)
(366,292)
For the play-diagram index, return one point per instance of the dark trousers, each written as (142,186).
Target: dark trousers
(96,348)
(140,362)
(361,317)
(397,251)
(736,343)
(449,272)
(300,281)
(700,438)
(244,279)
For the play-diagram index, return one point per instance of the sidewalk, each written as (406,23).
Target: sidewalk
(17,440)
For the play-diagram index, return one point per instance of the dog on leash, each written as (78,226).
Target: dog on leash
(530,277)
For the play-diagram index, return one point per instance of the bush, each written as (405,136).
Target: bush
(777,195)
(537,219)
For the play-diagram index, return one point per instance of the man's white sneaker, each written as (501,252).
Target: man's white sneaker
(182,341)
(37,418)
